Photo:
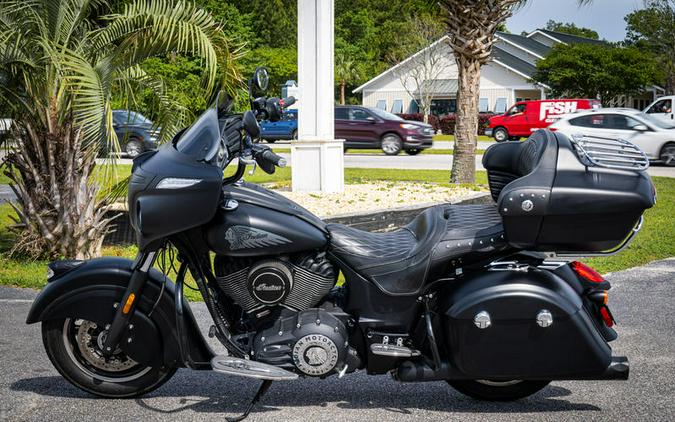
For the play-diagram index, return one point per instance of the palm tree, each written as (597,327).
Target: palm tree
(62,62)
(471,27)
(345,72)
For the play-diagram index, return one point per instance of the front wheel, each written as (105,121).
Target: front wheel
(134,148)
(74,347)
(497,390)
(391,144)
(667,154)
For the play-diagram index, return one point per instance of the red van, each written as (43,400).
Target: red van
(524,117)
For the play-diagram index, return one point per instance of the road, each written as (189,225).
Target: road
(642,300)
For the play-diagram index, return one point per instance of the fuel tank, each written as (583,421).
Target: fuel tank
(256,222)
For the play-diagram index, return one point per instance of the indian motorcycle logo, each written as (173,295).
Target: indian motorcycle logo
(243,237)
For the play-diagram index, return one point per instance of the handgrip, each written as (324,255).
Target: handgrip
(273,158)
(287,102)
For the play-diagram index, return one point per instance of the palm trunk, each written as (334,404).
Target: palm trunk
(343,84)
(466,128)
(59,212)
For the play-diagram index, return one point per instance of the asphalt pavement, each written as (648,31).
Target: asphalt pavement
(642,299)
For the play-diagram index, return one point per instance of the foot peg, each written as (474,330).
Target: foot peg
(393,351)
(251,369)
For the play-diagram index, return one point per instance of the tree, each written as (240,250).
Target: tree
(345,72)
(572,29)
(471,27)
(420,60)
(63,62)
(590,71)
(652,28)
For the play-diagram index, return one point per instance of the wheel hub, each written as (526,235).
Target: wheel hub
(90,340)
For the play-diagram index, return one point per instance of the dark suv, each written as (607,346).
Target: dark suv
(366,127)
(134,132)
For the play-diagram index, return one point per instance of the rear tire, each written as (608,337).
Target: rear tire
(391,144)
(413,151)
(497,390)
(500,134)
(667,154)
(72,350)
(270,141)
(133,148)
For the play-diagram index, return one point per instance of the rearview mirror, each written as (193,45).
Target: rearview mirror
(370,119)
(261,78)
(641,128)
(251,125)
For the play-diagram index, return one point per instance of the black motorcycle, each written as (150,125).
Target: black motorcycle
(486,297)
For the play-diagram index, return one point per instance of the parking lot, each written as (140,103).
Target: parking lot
(641,299)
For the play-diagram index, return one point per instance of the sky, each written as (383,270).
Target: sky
(604,16)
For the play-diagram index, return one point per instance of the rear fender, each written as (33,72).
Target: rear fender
(90,291)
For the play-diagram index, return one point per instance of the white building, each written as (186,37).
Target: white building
(505,79)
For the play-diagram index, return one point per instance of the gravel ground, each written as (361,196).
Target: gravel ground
(642,300)
(375,196)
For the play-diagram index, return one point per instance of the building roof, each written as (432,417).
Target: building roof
(511,62)
(525,43)
(565,38)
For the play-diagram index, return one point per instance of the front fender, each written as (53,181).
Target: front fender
(90,291)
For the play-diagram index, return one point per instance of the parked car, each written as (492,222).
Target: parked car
(525,117)
(135,132)
(366,127)
(652,135)
(662,109)
(285,128)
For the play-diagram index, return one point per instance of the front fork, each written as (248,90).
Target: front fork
(125,309)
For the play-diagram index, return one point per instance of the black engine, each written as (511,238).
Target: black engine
(296,283)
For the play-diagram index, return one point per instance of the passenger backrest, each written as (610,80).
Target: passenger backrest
(508,161)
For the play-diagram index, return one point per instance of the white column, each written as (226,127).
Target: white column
(317,160)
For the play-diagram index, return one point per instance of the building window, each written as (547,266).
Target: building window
(397,107)
(414,107)
(443,106)
(382,104)
(483,105)
(500,105)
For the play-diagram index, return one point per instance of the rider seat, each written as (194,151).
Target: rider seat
(399,261)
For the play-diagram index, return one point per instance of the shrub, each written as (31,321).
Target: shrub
(446,123)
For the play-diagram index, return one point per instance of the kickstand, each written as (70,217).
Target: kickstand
(259,395)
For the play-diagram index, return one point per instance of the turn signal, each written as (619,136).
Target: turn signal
(586,272)
(128,303)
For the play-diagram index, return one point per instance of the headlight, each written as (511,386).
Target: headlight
(409,126)
(177,183)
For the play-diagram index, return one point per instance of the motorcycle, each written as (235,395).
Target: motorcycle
(487,297)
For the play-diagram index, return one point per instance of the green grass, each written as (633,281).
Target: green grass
(655,241)
(481,138)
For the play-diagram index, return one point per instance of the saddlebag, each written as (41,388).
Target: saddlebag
(520,325)
(552,199)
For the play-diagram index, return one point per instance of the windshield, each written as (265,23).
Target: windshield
(384,114)
(656,121)
(201,141)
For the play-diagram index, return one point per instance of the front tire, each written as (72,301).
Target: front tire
(667,154)
(497,390)
(73,346)
(391,144)
(500,134)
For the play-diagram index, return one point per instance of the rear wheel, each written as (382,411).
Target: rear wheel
(134,148)
(74,347)
(391,144)
(667,154)
(270,141)
(500,134)
(497,390)
(413,151)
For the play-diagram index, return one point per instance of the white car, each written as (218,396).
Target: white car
(662,109)
(654,136)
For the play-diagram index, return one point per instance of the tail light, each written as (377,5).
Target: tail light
(586,272)
(607,316)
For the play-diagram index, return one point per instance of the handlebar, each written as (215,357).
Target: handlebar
(273,158)
(287,102)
